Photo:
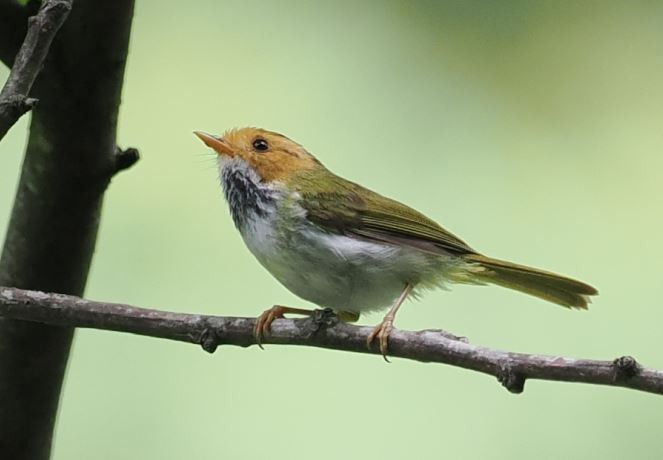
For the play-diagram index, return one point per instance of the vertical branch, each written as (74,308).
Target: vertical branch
(69,161)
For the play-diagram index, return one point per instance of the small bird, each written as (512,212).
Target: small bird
(342,246)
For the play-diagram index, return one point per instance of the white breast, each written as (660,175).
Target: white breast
(337,271)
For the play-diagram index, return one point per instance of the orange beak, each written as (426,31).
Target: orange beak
(217,143)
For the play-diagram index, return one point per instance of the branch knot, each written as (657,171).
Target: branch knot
(209,339)
(125,159)
(510,379)
(17,104)
(320,319)
(626,367)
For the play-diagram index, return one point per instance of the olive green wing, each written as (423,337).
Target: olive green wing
(343,207)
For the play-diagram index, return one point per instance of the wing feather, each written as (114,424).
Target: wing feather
(347,208)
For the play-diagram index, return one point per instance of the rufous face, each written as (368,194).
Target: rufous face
(273,156)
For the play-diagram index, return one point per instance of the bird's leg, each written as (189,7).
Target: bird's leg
(382,330)
(265,320)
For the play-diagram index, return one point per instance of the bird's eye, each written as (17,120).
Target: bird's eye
(260,145)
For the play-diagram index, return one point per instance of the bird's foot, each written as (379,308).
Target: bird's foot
(381,332)
(264,322)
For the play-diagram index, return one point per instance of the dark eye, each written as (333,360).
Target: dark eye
(260,145)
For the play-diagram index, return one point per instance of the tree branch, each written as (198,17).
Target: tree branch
(42,27)
(324,330)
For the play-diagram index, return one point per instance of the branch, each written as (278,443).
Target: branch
(42,27)
(324,330)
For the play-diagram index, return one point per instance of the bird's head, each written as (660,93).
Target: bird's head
(271,155)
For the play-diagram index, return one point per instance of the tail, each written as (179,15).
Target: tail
(548,286)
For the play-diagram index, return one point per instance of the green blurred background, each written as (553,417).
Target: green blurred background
(532,129)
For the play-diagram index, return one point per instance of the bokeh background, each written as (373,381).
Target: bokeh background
(533,129)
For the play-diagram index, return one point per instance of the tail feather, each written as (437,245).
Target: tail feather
(548,286)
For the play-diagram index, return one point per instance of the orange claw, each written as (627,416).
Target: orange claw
(264,321)
(381,332)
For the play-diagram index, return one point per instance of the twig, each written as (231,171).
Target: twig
(325,331)
(42,27)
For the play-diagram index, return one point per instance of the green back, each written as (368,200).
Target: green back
(340,206)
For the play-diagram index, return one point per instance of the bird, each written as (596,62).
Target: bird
(342,246)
